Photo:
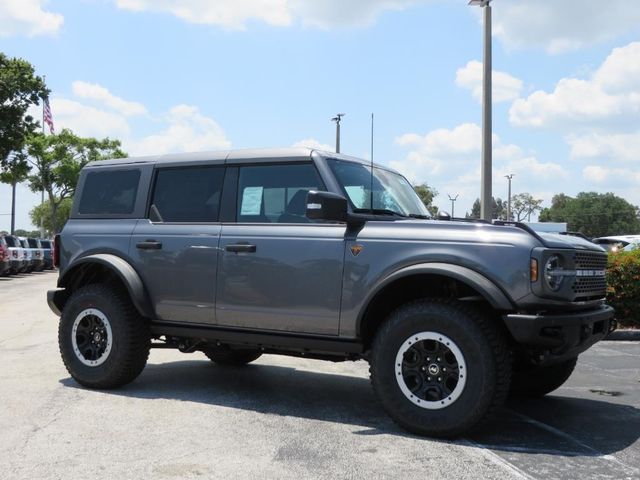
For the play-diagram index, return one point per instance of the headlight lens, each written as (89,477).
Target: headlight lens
(553,273)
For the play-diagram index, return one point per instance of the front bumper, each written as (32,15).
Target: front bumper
(562,335)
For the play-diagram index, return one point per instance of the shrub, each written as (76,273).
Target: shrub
(623,291)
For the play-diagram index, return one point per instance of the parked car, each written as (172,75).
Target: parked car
(17,254)
(47,246)
(617,242)
(319,255)
(38,252)
(29,255)
(5,258)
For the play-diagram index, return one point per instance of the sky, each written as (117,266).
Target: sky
(172,76)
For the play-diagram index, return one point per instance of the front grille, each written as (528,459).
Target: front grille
(590,286)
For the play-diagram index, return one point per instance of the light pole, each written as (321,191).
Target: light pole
(453,202)
(509,177)
(337,119)
(485,193)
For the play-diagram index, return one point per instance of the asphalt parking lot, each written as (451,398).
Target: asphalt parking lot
(285,418)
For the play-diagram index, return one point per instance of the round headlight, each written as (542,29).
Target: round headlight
(553,273)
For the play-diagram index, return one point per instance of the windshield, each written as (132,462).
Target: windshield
(392,193)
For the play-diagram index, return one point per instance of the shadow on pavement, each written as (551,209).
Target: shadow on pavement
(552,425)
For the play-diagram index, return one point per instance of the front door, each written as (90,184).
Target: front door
(175,250)
(277,269)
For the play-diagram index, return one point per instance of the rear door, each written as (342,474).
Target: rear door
(278,270)
(175,248)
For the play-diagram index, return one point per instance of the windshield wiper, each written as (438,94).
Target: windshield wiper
(379,211)
(422,217)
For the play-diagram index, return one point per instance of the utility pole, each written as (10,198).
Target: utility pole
(485,194)
(509,177)
(338,119)
(453,203)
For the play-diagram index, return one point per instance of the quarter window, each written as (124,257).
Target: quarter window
(187,195)
(276,193)
(109,192)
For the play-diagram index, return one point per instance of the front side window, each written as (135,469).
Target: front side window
(109,192)
(187,195)
(276,193)
(392,193)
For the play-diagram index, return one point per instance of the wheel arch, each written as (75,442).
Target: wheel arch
(429,279)
(98,266)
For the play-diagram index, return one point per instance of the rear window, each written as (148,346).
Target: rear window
(11,241)
(109,192)
(45,243)
(33,243)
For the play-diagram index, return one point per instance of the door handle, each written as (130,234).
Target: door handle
(149,245)
(240,248)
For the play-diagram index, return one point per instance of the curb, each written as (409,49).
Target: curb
(624,335)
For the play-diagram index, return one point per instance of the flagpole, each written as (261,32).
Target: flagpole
(42,180)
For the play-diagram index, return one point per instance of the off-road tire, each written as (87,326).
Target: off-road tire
(532,381)
(235,358)
(130,337)
(486,356)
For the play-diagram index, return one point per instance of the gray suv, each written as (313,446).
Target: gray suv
(314,254)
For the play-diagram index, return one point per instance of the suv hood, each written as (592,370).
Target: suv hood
(568,241)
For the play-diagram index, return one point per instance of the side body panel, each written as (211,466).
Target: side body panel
(292,282)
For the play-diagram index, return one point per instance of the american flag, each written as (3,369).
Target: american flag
(46,115)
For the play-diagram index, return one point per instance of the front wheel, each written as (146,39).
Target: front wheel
(439,367)
(103,340)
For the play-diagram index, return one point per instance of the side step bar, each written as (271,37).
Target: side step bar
(304,343)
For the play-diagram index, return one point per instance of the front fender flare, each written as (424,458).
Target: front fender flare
(125,272)
(485,287)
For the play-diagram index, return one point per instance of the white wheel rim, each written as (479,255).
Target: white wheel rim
(439,369)
(93,348)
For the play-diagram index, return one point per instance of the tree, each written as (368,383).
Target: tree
(20,88)
(427,194)
(594,214)
(27,233)
(498,209)
(57,161)
(523,205)
(15,170)
(41,215)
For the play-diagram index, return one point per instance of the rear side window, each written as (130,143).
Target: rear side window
(109,192)
(187,195)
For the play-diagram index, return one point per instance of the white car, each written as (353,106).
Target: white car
(616,243)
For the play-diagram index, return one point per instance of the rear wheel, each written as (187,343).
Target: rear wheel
(232,357)
(103,340)
(533,381)
(439,367)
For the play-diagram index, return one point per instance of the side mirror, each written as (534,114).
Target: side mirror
(444,216)
(326,206)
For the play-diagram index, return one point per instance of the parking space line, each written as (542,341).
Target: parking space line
(497,459)
(571,438)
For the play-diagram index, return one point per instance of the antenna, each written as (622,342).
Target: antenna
(371,186)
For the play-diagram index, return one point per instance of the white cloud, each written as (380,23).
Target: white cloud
(449,160)
(87,120)
(188,130)
(623,147)
(561,25)
(182,129)
(505,87)
(608,99)
(27,17)
(313,143)
(620,176)
(281,13)
(93,91)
